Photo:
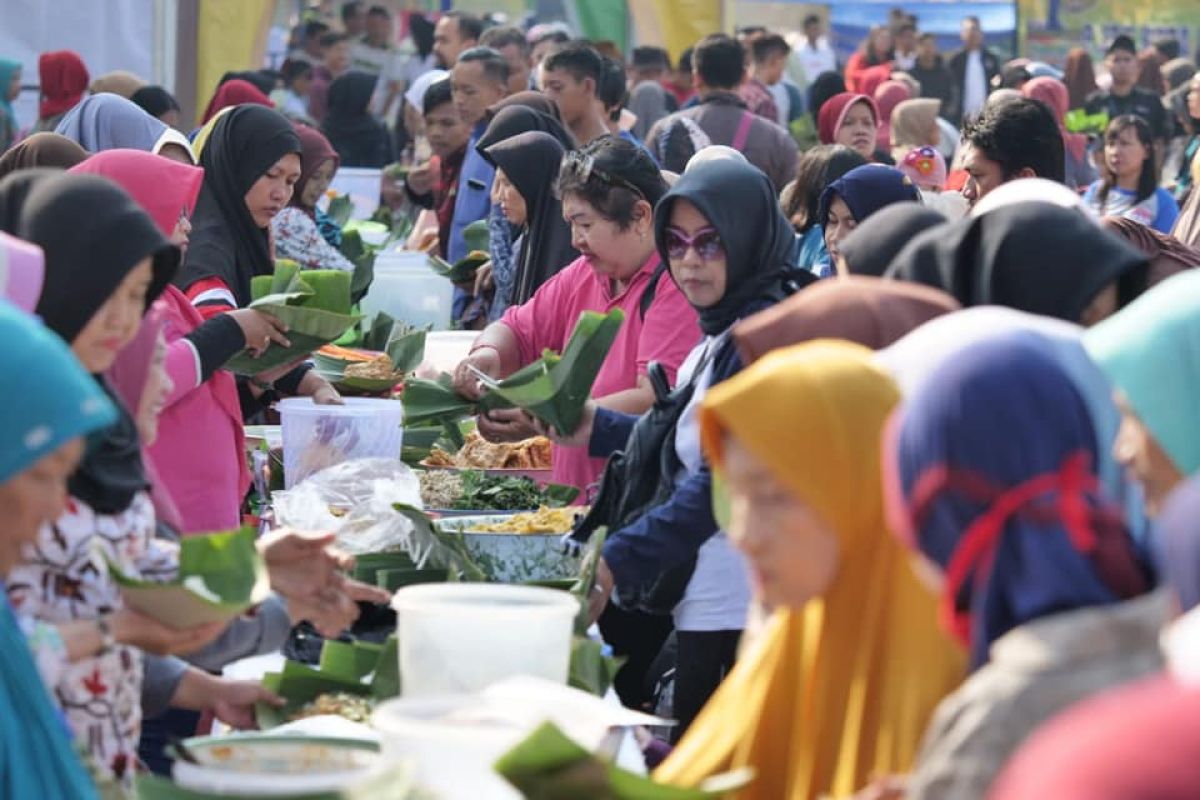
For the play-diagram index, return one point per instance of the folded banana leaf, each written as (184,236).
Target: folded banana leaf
(299,684)
(386,682)
(549,765)
(220,576)
(554,388)
(362,256)
(477,236)
(463,270)
(582,588)
(591,670)
(340,209)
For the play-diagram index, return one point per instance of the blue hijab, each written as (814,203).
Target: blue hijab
(1179,540)
(108,121)
(58,402)
(994,464)
(867,189)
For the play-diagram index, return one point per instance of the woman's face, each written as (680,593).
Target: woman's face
(838,225)
(793,552)
(272,191)
(318,184)
(33,498)
(511,202)
(1103,306)
(614,253)
(116,322)
(858,130)
(14,86)
(882,43)
(696,254)
(1139,452)
(1125,154)
(182,232)
(154,396)
(1193,98)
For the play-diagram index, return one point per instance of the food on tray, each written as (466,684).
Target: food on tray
(347,353)
(349,706)
(544,520)
(477,491)
(284,757)
(440,489)
(377,369)
(479,453)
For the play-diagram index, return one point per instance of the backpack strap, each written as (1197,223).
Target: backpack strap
(650,290)
(743,131)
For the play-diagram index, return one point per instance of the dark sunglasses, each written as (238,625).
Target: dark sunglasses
(583,168)
(707,243)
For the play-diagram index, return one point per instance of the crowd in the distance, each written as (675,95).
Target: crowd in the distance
(895,446)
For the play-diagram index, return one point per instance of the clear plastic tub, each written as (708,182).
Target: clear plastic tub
(409,290)
(463,637)
(363,184)
(316,437)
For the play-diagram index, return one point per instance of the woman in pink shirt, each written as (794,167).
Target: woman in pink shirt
(609,190)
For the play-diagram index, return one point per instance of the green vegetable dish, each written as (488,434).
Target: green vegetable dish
(474,490)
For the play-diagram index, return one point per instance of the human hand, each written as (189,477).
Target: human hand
(319,389)
(506,425)
(484,281)
(466,382)
(421,179)
(233,702)
(135,629)
(260,329)
(580,437)
(601,592)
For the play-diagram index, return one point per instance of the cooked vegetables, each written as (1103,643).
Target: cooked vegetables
(479,453)
(440,488)
(348,706)
(544,520)
(472,490)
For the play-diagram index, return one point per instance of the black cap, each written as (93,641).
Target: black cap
(1122,42)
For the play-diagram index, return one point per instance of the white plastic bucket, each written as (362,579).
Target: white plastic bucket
(363,185)
(316,437)
(409,290)
(462,637)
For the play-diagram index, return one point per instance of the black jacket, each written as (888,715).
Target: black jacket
(958,73)
(936,82)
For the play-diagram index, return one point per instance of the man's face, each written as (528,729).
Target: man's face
(519,67)
(906,40)
(575,99)
(337,58)
(1123,67)
(813,31)
(927,47)
(972,36)
(984,175)
(446,131)
(356,23)
(379,28)
(447,42)
(474,91)
(772,71)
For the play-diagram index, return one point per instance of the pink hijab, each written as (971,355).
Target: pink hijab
(22,270)
(1054,95)
(889,95)
(166,189)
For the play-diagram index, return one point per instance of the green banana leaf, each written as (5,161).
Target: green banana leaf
(229,568)
(591,670)
(362,256)
(461,271)
(309,329)
(340,209)
(299,684)
(379,332)
(392,579)
(449,551)
(477,236)
(350,660)
(435,402)
(549,765)
(586,582)
(386,683)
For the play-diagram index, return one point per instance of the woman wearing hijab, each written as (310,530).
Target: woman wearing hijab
(853,198)
(1149,353)
(914,124)
(118,82)
(62,404)
(108,121)
(1032,256)
(10,90)
(839,685)
(1168,256)
(359,138)
(526,166)
(295,228)
(251,162)
(1053,94)
(158,103)
(41,150)
(235,92)
(871,246)
(990,475)
(888,96)
(63,79)
(817,168)
(850,119)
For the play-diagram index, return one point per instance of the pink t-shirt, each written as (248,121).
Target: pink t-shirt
(667,334)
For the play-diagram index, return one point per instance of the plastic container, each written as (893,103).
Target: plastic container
(409,290)
(316,437)
(462,637)
(445,349)
(364,186)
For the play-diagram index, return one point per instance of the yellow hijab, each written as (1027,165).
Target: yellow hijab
(837,692)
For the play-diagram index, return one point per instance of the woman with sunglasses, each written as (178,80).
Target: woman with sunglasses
(608,193)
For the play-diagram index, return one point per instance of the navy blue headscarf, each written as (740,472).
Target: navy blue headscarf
(993,479)
(867,189)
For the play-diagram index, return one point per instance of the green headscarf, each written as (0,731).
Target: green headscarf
(8,117)
(1150,350)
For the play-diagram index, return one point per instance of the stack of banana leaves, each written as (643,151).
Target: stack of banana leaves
(463,271)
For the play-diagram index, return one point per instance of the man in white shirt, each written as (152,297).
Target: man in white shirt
(906,46)
(376,53)
(973,68)
(814,53)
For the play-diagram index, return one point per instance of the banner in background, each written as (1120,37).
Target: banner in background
(1050,28)
(229,36)
(850,22)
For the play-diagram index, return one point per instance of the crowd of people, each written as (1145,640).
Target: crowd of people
(897,421)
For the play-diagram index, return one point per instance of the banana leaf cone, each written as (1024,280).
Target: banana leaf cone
(432,402)
(463,270)
(476,236)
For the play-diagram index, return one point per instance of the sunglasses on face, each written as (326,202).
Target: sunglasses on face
(706,242)
(583,168)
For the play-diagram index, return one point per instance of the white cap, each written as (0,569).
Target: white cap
(416,93)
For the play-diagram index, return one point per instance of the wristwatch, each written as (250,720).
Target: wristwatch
(107,640)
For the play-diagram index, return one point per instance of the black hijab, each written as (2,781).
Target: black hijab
(351,128)
(225,243)
(825,86)
(155,100)
(1035,257)
(93,235)
(513,120)
(870,248)
(14,189)
(740,202)
(531,161)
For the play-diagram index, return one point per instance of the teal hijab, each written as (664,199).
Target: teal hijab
(1150,350)
(58,402)
(8,118)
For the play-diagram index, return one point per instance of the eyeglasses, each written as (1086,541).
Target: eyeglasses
(583,167)
(706,242)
